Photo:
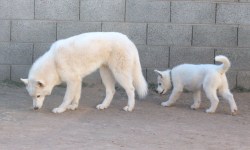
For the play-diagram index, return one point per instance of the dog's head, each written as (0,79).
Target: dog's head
(37,89)
(163,81)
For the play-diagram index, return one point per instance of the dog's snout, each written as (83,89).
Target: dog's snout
(36,108)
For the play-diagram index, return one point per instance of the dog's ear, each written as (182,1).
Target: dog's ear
(25,81)
(159,73)
(40,84)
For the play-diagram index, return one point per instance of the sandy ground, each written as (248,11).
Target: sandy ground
(149,127)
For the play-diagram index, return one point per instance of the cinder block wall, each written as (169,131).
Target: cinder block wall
(166,32)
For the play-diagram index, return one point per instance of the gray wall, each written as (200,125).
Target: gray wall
(167,33)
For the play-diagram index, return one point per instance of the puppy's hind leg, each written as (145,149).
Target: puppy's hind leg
(173,97)
(197,100)
(109,83)
(212,96)
(226,94)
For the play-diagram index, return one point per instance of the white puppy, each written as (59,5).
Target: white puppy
(69,60)
(193,78)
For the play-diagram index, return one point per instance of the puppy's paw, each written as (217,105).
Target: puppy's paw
(58,110)
(72,107)
(210,111)
(165,104)
(195,106)
(101,107)
(127,108)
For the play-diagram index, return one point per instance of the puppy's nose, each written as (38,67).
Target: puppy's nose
(156,91)
(36,108)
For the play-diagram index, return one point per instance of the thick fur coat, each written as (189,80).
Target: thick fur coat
(70,60)
(211,78)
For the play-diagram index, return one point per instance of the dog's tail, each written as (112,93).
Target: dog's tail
(223,68)
(139,81)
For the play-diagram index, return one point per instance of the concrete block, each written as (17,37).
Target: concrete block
(244,1)
(232,78)
(153,56)
(4,30)
(233,13)
(33,31)
(68,29)
(152,76)
(57,9)
(40,49)
(16,9)
(4,72)
(244,36)
(102,10)
(93,78)
(192,12)
(135,31)
(147,11)
(16,53)
(210,35)
(19,71)
(192,55)
(165,34)
(239,57)
(243,79)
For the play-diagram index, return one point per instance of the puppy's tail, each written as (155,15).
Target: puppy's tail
(223,68)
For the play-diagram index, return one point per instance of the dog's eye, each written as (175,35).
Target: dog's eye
(37,96)
(159,84)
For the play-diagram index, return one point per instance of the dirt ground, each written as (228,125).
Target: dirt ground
(149,127)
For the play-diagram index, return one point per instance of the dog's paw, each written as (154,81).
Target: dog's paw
(72,107)
(127,108)
(234,112)
(58,110)
(165,104)
(101,107)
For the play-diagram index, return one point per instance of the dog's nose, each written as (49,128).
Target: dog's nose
(156,91)
(36,108)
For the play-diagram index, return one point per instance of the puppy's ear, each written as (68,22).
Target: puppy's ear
(159,73)
(40,84)
(25,81)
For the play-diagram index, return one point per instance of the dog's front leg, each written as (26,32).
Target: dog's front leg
(173,97)
(69,96)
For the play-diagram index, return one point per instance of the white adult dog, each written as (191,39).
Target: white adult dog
(192,78)
(70,60)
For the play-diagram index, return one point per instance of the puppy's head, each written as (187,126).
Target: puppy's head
(37,89)
(163,81)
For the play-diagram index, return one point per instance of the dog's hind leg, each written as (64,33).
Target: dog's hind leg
(70,94)
(173,97)
(197,100)
(109,83)
(212,96)
(125,80)
(226,94)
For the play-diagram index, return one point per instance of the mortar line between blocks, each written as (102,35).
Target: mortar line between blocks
(215,14)
(125,10)
(170,12)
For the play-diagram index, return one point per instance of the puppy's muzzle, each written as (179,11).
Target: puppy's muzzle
(36,108)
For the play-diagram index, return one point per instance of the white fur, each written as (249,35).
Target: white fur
(70,60)
(192,78)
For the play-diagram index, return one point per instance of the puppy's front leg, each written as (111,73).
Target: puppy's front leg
(173,97)
(69,96)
